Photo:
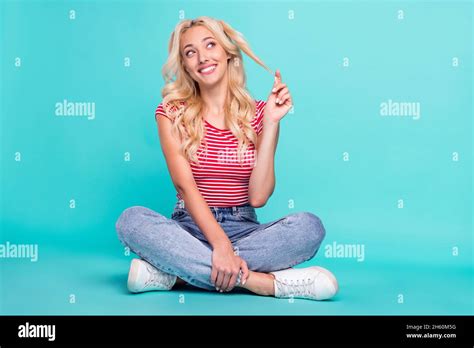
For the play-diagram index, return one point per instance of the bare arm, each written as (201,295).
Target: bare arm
(262,179)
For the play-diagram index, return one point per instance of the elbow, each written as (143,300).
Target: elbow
(257,202)
(259,199)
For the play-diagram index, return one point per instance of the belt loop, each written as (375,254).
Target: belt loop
(234,210)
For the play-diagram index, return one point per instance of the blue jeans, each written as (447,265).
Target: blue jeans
(177,246)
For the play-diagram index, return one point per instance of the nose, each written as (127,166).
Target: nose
(201,57)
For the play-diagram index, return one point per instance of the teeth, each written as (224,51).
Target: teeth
(210,68)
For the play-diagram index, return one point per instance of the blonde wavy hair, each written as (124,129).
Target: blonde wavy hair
(181,97)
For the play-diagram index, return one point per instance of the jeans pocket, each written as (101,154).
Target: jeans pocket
(248,216)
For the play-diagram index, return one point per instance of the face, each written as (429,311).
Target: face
(200,50)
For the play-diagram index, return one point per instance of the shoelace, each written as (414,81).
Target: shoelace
(156,278)
(298,287)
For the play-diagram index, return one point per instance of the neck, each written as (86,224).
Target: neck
(214,98)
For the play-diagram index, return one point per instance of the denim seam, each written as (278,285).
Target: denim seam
(261,231)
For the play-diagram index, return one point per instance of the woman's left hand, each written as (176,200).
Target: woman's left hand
(279,101)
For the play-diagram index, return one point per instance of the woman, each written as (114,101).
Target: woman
(211,131)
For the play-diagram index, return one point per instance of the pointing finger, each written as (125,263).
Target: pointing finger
(277,77)
(278,74)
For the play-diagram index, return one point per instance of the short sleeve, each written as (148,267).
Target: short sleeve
(259,116)
(160,111)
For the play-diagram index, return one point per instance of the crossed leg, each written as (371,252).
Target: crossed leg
(276,245)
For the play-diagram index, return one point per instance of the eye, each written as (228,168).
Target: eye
(210,42)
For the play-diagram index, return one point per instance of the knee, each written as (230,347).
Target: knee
(316,230)
(312,230)
(127,221)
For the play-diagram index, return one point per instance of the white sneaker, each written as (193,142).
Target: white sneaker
(145,277)
(315,283)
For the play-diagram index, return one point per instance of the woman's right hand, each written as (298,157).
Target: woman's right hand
(226,267)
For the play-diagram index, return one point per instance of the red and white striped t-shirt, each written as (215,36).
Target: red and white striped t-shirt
(220,178)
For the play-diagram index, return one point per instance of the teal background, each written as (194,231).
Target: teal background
(408,251)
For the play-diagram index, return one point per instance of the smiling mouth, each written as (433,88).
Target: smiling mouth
(208,70)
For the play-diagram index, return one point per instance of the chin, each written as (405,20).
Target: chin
(210,82)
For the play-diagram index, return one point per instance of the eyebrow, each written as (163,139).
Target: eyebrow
(209,37)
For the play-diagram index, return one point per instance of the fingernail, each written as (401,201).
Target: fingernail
(221,291)
(217,289)
(245,281)
(274,90)
(277,100)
